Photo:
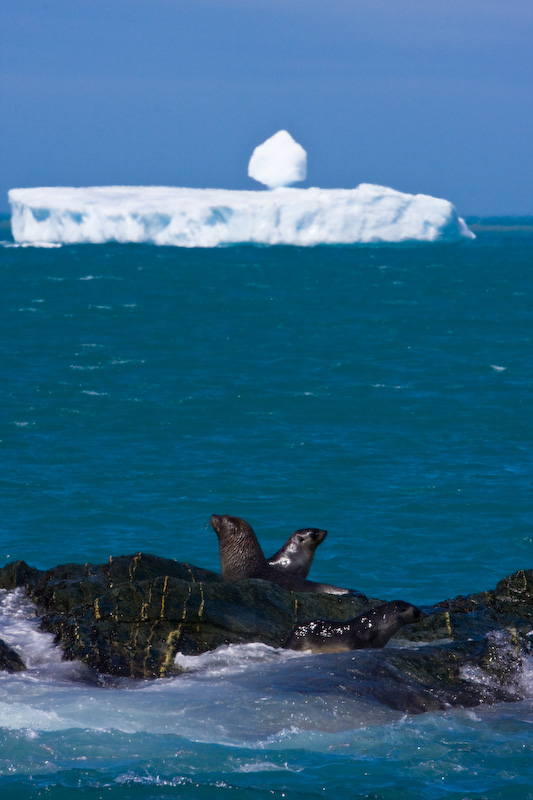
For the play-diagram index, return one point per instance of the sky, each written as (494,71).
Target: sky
(429,96)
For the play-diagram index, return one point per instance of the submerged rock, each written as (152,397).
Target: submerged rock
(131,616)
(415,679)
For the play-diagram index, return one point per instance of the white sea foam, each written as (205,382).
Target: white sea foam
(517,667)
(233,658)
(19,628)
(209,217)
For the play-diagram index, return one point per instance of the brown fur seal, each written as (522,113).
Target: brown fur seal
(241,557)
(296,555)
(374,628)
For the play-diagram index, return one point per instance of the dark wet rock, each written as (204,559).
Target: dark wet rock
(132,615)
(509,606)
(9,659)
(18,573)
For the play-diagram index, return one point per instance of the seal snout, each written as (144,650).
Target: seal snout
(313,536)
(318,535)
(227,526)
(216,522)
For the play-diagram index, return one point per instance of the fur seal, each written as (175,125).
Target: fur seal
(374,628)
(241,557)
(296,555)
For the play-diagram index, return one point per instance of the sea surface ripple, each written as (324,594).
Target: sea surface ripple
(382,393)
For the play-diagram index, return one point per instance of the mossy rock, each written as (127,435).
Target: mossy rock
(131,616)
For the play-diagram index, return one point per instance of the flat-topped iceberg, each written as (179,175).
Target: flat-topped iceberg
(184,217)
(209,217)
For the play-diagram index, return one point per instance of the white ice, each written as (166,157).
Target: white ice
(280,161)
(184,217)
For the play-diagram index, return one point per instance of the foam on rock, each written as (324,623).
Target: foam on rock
(280,161)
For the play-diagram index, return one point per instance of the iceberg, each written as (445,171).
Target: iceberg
(166,215)
(184,217)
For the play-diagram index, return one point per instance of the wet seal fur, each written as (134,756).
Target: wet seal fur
(241,557)
(374,628)
(296,555)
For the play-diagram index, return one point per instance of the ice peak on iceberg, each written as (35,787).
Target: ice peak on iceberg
(279,161)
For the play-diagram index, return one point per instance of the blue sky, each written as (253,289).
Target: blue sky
(428,96)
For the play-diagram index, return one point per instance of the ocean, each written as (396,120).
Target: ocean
(382,393)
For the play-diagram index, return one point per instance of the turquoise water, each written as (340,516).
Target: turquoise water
(381,393)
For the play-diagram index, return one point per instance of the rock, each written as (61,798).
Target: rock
(9,659)
(132,615)
(509,606)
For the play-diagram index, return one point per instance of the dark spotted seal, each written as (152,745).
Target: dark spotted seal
(374,628)
(296,555)
(241,557)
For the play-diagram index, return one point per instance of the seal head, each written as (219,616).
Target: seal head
(240,552)
(374,628)
(296,555)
